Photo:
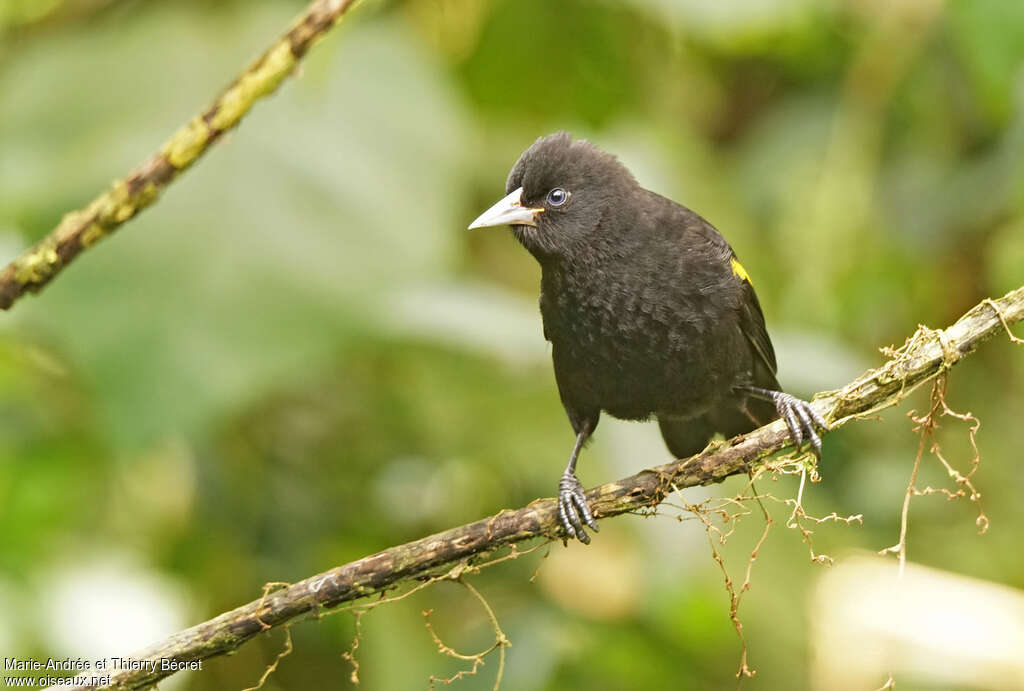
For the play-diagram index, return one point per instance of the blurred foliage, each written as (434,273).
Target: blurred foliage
(298,357)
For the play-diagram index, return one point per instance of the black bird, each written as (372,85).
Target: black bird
(647,308)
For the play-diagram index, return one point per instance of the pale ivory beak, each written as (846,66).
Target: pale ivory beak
(509,211)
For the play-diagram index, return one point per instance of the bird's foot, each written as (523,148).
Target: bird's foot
(801,419)
(572,507)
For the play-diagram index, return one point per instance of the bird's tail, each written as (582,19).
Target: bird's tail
(735,416)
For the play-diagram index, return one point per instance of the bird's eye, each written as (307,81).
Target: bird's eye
(557,197)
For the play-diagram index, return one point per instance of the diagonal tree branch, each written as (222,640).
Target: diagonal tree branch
(80,229)
(925,356)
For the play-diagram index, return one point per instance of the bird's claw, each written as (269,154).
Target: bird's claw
(572,507)
(801,419)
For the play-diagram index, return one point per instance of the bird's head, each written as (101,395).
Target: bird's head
(557,194)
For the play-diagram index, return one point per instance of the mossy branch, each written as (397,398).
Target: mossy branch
(926,355)
(80,229)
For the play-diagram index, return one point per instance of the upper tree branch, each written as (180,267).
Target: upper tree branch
(926,354)
(80,229)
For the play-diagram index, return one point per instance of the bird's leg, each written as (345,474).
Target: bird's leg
(799,416)
(572,503)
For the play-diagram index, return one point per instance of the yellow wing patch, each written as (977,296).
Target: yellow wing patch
(738,269)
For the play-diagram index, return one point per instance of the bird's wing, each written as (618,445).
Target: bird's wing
(752,318)
(698,231)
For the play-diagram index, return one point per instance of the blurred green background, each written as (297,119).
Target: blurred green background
(299,357)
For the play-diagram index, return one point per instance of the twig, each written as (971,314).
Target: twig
(80,229)
(735,594)
(925,426)
(272,667)
(500,643)
(923,358)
